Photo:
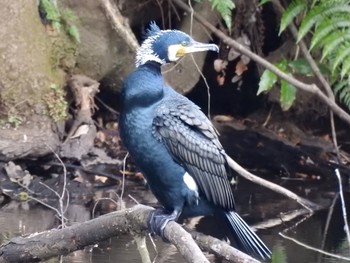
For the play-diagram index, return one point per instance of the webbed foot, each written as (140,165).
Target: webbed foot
(158,220)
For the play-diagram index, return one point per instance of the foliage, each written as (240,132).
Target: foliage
(329,24)
(56,103)
(294,9)
(224,7)
(287,91)
(264,1)
(69,19)
(13,120)
(279,254)
(65,19)
(51,12)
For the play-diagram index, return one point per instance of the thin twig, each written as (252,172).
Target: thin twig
(99,200)
(313,248)
(134,199)
(281,219)
(346,225)
(272,186)
(315,68)
(310,88)
(328,221)
(47,244)
(117,20)
(196,65)
(106,106)
(123,181)
(46,205)
(62,195)
(141,247)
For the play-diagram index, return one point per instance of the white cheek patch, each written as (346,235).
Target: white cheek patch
(190,182)
(172,51)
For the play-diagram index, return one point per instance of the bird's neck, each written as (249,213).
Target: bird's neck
(152,66)
(144,86)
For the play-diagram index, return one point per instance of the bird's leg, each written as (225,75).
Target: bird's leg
(159,218)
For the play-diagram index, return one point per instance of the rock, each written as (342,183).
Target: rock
(26,76)
(101,50)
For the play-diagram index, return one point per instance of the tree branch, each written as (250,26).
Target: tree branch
(311,88)
(47,244)
(293,29)
(221,249)
(117,20)
(272,186)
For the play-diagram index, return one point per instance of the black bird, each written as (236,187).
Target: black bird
(174,143)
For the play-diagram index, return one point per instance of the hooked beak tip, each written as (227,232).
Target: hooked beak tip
(214,48)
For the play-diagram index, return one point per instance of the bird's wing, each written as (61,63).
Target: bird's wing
(193,142)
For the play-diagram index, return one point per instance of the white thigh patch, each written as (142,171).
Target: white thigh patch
(190,182)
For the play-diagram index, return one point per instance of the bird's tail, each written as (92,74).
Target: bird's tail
(246,240)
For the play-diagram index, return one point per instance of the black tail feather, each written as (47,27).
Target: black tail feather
(246,239)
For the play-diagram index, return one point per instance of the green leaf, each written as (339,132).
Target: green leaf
(333,41)
(342,55)
(288,95)
(282,65)
(345,68)
(301,66)
(50,10)
(74,33)
(327,26)
(56,25)
(267,80)
(224,7)
(294,9)
(262,2)
(317,14)
(279,254)
(339,86)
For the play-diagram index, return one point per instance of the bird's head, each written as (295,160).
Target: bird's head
(164,46)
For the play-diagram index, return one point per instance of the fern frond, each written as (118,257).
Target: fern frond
(344,95)
(293,9)
(224,7)
(326,26)
(333,41)
(345,68)
(341,56)
(339,86)
(317,14)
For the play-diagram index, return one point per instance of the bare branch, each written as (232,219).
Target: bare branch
(317,72)
(346,225)
(222,249)
(313,89)
(272,186)
(119,24)
(313,248)
(44,245)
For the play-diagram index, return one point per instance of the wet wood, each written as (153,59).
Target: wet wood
(221,249)
(41,246)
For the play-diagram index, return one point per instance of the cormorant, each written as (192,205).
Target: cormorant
(175,144)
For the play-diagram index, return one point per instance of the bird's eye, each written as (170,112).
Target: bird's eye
(185,43)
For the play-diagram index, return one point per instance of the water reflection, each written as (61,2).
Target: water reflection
(19,219)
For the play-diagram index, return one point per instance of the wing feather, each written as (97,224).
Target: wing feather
(193,142)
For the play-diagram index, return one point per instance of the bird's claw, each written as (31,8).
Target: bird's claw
(158,220)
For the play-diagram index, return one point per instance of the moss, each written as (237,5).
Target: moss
(63,53)
(56,103)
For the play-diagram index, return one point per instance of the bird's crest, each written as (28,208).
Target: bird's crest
(145,52)
(153,29)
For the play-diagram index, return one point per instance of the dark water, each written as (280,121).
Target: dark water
(254,203)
